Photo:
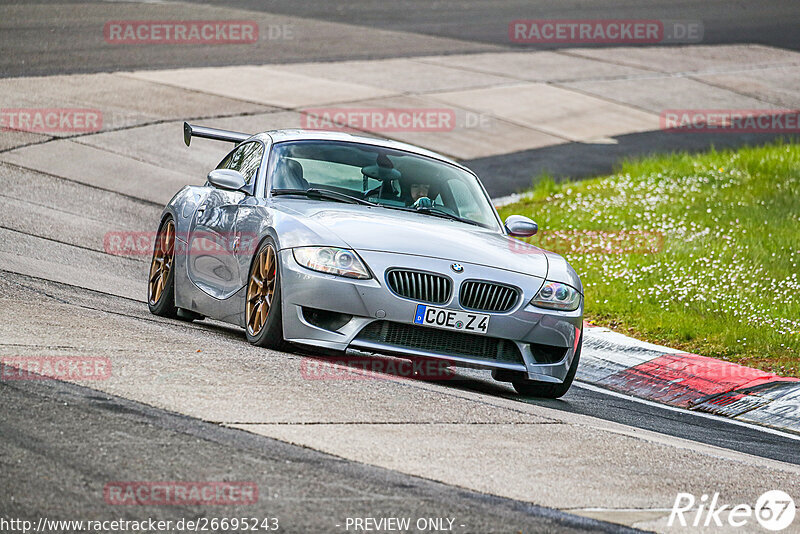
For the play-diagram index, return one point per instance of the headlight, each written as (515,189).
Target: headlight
(557,296)
(331,260)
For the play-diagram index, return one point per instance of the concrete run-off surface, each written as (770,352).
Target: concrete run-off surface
(500,103)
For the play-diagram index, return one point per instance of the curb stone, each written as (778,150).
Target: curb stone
(690,381)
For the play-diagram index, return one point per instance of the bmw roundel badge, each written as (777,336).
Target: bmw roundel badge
(457,267)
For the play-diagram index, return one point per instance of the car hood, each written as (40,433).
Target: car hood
(365,228)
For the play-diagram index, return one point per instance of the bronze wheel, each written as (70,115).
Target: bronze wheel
(161,266)
(261,289)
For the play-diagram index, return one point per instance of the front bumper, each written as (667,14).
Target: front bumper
(369,301)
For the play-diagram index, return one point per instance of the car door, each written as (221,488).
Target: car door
(212,242)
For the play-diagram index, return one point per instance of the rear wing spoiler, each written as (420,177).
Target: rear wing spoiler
(190,131)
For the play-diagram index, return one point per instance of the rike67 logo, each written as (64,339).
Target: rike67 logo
(774,511)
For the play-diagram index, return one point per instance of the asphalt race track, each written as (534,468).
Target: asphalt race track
(772,22)
(194,401)
(34,34)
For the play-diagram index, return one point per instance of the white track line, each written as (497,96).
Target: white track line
(766,429)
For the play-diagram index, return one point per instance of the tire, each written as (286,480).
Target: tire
(264,331)
(161,281)
(546,390)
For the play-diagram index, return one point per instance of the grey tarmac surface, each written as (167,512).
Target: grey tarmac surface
(47,38)
(84,439)
(772,22)
(56,37)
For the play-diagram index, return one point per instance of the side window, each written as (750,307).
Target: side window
(246,159)
(250,161)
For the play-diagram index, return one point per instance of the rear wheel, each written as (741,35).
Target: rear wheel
(547,390)
(161,284)
(263,322)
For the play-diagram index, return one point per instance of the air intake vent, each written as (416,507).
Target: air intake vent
(417,285)
(487,296)
(441,341)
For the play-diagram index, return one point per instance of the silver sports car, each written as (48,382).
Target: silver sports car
(367,246)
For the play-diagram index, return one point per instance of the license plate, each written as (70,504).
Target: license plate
(451,320)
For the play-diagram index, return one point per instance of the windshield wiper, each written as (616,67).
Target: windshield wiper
(436,213)
(445,215)
(326,194)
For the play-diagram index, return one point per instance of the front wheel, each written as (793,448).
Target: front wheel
(546,390)
(263,322)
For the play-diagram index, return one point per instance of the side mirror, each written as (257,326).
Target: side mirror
(227,179)
(519,226)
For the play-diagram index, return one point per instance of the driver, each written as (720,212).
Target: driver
(419,195)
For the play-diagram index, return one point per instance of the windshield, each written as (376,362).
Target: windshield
(383,176)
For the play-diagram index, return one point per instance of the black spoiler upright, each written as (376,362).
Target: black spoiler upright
(190,131)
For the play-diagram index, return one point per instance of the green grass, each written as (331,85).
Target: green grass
(722,282)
